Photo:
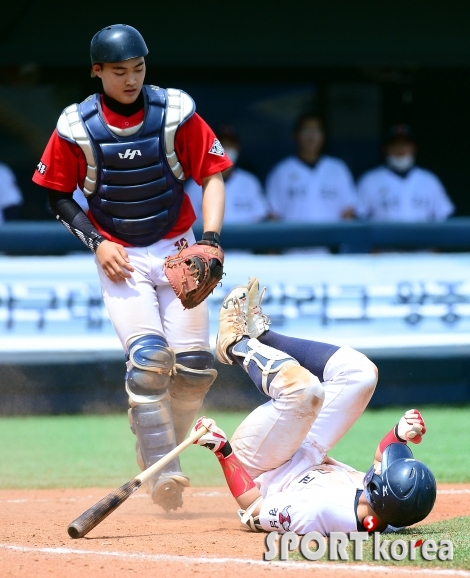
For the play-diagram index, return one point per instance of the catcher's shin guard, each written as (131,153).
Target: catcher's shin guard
(150,365)
(189,384)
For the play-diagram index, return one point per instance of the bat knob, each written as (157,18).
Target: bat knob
(74,532)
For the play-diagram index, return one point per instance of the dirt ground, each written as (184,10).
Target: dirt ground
(204,538)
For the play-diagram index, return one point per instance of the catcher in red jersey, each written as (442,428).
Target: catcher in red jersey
(277,464)
(130,150)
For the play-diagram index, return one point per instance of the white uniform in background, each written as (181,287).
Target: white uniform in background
(418,196)
(299,193)
(244,198)
(10,194)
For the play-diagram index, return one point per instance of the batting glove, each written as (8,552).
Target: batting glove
(215,439)
(411,427)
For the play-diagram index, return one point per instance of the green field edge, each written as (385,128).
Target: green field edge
(85,451)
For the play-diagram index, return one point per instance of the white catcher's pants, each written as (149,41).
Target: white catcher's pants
(274,432)
(146,303)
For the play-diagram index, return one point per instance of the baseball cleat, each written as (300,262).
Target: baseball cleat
(232,322)
(258,322)
(167,491)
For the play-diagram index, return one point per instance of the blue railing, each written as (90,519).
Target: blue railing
(51,238)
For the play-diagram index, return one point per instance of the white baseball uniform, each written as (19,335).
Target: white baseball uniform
(299,193)
(418,196)
(244,198)
(146,304)
(10,194)
(303,488)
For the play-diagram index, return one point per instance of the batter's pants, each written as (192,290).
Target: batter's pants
(272,434)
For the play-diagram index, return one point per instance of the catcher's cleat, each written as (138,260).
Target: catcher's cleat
(232,322)
(258,322)
(167,491)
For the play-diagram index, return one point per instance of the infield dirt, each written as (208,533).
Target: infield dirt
(140,539)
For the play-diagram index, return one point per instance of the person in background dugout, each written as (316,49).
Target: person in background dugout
(399,190)
(245,201)
(10,195)
(311,187)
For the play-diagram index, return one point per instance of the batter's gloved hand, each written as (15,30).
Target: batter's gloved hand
(215,439)
(411,427)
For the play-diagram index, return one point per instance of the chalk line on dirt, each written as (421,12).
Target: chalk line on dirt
(245,561)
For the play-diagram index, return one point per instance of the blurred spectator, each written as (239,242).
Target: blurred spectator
(10,195)
(399,190)
(244,198)
(311,187)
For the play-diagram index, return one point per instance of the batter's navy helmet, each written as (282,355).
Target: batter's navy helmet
(117,43)
(405,492)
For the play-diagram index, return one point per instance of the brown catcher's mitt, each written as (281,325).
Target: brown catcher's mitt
(194,272)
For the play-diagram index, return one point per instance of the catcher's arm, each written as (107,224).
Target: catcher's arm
(411,427)
(239,481)
(213,202)
(213,207)
(112,257)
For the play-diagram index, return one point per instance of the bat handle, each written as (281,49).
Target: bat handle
(162,462)
(101,510)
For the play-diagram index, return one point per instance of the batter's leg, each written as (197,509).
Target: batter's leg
(349,380)
(313,355)
(273,432)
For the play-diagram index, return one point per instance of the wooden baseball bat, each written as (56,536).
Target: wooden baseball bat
(101,510)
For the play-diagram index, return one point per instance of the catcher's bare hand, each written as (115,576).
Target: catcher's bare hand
(114,261)
(411,427)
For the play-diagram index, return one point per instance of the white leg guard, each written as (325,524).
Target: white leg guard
(189,384)
(273,432)
(260,361)
(150,366)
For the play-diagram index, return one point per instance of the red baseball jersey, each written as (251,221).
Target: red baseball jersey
(63,165)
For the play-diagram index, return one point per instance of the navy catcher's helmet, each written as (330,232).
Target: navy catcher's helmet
(117,43)
(405,492)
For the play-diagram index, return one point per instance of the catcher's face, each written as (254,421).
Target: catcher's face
(122,80)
